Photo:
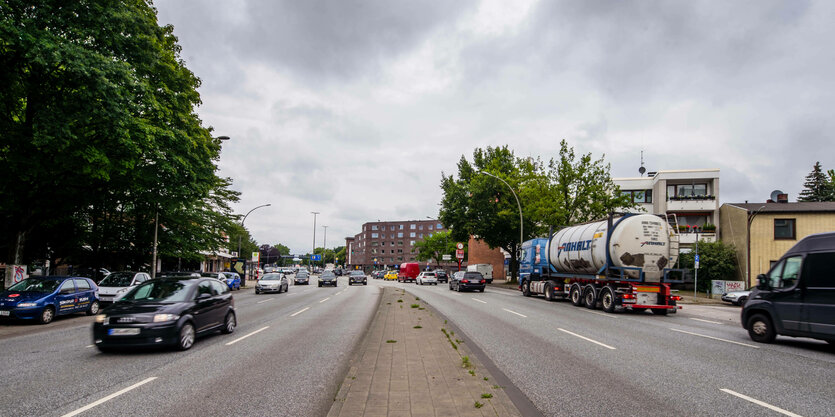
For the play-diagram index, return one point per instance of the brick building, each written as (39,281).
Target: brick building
(385,244)
(479,252)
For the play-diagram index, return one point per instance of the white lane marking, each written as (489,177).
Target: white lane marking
(480,301)
(760,403)
(611,316)
(586,338)
(706,321)
(109,397)
(326,299)
(245,336)
(511,311)
(264,301)
(300,312)
(715,338)
(89,346)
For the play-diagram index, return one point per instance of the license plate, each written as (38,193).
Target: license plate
(4,313)
(122,332)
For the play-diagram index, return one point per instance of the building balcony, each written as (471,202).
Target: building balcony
(707,203)
(690,238)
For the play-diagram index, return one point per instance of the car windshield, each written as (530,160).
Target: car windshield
(429,274)
(36,285)
(160,291)
(271,277)
(117,279)
(328,274)
(358,273)
(473,275)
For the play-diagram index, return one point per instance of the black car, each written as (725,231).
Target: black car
(441,275)
(168,311)
(467,280)
(327,278)
(302,278)
(357,277)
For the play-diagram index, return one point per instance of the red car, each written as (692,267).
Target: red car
(408,272)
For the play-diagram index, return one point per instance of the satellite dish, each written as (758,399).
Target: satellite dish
(775,194)
(641,170)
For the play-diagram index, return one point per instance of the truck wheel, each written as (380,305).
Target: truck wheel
(589,298)
(526,288)
(549,292)
(607,300)
(760,329)
(576,297)
(660,311)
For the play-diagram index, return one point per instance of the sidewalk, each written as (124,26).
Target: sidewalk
(407,366)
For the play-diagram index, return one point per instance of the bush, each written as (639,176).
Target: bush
(717,261)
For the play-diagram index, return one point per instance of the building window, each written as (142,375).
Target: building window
(438,226)
(400,251)
(420,227)
(392,236)
(784,229)
(391,228)
(400,243)
(689,190)
(400,227)
(374,235)
(412,226)
(399,234)
(430,227)
(421,236)
(412,234)
(412,243)
(392,243)
(373,227)
(373,243)
(638,196)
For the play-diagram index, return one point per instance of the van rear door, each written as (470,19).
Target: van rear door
(818,311)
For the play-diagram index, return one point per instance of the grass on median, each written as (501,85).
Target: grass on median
(418,327)
(391,341)
(478,404)
(487,395)
(415,305)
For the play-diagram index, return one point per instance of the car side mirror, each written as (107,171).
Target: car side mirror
(203,296)
(763,282)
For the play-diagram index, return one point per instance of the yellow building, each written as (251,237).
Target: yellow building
(763,232)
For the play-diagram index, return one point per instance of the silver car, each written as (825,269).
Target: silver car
(273,282)
(117,284)
(736,297)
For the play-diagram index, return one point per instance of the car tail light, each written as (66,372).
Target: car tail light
(676,297)
(465,281)
(483,281)
(629,296)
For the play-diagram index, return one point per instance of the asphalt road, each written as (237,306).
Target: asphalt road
(286,358)
(573,361)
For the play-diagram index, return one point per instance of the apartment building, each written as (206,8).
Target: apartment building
(385,244)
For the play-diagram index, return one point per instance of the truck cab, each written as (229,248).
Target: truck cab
(534,262)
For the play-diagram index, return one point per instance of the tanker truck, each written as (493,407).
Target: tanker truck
(622,263)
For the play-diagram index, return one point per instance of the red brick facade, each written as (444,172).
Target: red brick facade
(480,253)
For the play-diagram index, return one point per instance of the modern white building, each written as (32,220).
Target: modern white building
(690,197)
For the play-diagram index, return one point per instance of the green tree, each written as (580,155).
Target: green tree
(717,261)
(341,257)
(435,246)
(100,135)
(817,186)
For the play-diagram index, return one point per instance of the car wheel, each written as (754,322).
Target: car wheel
(230,323)
(741,301)
(320,285)
(286,287)
(257,292)
(47,315)
(760,329)
(481,290)
(186,337)
(94,308)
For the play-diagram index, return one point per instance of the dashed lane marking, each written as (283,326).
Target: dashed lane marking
(326,299)
(109,397)
(715,338)
(480,301)
(586,338)
(264,301)
(518,314)
(611,316)
(300,312)
(706,321)
(760,403)
(245,336)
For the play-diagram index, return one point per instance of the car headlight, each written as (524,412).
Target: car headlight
(101,318)
(165,317)
(27,304)
(122,291)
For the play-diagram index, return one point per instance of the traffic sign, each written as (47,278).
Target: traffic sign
(696,262)
(460,246)
(459,254)
(446,257)
(316,257)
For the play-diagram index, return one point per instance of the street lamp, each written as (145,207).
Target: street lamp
(239,236)
(324,245)
(521,239)
(310,261)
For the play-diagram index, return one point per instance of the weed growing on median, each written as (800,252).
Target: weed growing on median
(444,321)
(497,386)
(391,341)
(454,346)
(418,327)
(417,298)
(478,404)
(415,305)
(487,395)
(485,378)
(459,341)
(421,308)
(465,362)
(399,301)
(471,372)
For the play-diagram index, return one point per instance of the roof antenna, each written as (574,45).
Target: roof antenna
(642,170)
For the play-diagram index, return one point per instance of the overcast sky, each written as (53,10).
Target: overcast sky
(355,108)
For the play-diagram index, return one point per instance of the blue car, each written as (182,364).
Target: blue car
(233,280)
(43,298)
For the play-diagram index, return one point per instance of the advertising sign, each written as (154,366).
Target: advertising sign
(459,254)
(446,257)
(256,256)
(720,287)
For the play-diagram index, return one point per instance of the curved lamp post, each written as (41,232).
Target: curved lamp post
(521,234)
(239,236)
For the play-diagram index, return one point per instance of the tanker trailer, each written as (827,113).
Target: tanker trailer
(622,263)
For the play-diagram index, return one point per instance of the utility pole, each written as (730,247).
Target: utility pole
(310,261)
(324,245)
(154,261)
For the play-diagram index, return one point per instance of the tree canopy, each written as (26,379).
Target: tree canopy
(818,185)
(434,247)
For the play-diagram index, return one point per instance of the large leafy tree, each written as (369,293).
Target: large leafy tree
(818,186)
(717,261)
(435,246)
(100,136)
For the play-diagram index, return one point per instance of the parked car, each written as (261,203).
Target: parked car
(408,271)
(427,278)
(467,280)
(737,297)
(302,278)
(168,311)
(116,284)
(357,277)
(274,282)
(43,298)
(797,295)
(233,280)
(441,275)
(220,276)
(391,275)
(327,278)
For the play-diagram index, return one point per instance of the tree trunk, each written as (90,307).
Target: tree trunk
(20,241)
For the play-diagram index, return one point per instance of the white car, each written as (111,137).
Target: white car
(116,284)
(737,297)
(427,278)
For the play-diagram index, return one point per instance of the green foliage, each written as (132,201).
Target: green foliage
(717,261)
(817,186)
(478,404)
(435,246)
(487,395)
(415,305)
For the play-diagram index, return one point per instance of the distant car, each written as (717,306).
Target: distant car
(427,278)
(224,278)
(43,298)
(274,282)
(737,297)
(302,278)
(166,311)
(327,278)
(441,275)
(391,275)
(467,280)
(338,272)
(357,277)
(118,283)
(233,280)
